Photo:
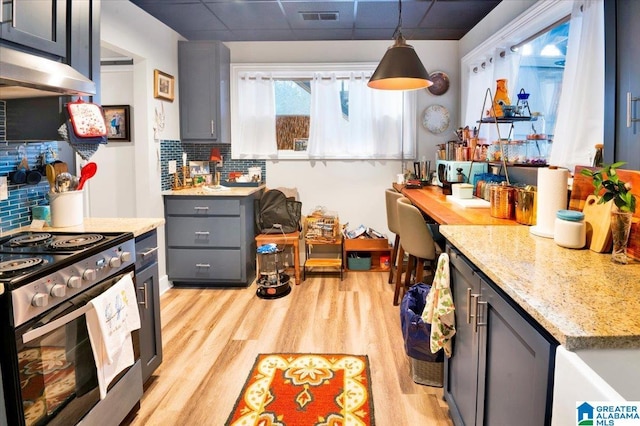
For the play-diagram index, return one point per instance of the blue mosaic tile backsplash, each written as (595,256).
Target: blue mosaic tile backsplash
(172,150)
(16,211)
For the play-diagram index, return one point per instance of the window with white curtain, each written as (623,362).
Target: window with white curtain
(560,63)
(318,112)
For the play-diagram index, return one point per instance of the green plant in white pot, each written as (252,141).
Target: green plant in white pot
(615,189)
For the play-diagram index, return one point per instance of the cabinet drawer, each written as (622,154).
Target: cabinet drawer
(202,206)
(146,250)
(194,264)
(203,232)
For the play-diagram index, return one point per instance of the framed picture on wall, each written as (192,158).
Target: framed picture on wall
(118,122)
(163,86)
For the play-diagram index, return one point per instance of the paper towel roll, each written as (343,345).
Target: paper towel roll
(552,196)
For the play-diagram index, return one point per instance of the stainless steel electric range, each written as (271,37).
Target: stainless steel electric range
(48,371)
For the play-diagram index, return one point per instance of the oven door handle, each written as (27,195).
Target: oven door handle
(57,323)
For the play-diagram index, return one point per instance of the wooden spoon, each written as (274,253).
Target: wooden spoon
(51,175)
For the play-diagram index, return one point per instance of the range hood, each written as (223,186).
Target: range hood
(24,75)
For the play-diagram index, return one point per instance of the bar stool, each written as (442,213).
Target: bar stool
(292,239)
(391,198)
(417,242)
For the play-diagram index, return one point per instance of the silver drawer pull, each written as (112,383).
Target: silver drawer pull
(148,252)
(202,232)
(630,118)
(201,208)
(476,316)
(469,305)
(144,297)
(203,265)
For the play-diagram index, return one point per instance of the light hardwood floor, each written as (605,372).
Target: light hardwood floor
(211,339)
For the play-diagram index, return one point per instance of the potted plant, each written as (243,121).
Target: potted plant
(608,186)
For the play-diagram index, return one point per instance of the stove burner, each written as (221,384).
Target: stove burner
(29,240)
(20,264)
(76,241)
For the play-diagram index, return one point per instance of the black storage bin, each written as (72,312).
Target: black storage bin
(427,367)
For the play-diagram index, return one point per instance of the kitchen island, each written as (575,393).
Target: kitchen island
(586,307)
(210,236)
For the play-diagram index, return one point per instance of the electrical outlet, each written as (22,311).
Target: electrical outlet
(219,163)
(172,166)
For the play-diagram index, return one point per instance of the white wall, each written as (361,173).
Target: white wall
(355,189)
(127,29)
(115,160)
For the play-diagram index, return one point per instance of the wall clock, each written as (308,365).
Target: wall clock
(435,119)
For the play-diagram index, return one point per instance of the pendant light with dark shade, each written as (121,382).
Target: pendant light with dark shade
(400,67)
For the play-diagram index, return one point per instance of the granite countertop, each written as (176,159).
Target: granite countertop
(136,225)
(221,191)
(580,297)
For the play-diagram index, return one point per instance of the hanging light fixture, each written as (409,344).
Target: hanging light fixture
(400,67)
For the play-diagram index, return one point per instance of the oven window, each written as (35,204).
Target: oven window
(58,375)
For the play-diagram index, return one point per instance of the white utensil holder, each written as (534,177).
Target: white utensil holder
(67,208)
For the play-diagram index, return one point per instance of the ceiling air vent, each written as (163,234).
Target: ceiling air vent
(319,16)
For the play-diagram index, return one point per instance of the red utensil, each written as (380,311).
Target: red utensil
(87,172)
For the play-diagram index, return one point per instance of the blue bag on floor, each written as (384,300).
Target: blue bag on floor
(415,331)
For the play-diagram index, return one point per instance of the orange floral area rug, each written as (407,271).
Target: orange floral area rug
(306,390)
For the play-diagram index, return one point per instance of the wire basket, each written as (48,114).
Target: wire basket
(427,373)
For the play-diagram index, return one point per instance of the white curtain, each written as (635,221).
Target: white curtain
(380,124)
(256,119)
(480,79)
(327,127)
(581,108)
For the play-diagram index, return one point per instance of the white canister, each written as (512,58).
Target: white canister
(67,208)
(570,230)
(399,178)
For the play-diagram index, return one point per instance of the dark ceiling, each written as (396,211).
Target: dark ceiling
(284,20)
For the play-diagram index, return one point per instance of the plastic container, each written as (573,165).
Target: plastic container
(360,263)
(41,213)
(570,229)
(67,208)
(462,190)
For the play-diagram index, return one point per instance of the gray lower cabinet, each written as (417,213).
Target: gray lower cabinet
(210,240)
(501,369)
(148,293)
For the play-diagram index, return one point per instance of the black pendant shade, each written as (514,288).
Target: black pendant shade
(400,67)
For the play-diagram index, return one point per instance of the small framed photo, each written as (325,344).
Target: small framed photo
(118,122)
(163,86)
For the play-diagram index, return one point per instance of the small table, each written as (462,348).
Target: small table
(291,239)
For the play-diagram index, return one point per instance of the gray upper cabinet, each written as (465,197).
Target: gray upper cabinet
(499,373)
(204,73)
(35,24)
(622,86)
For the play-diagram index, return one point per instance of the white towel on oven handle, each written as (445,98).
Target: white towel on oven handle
(110,323)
